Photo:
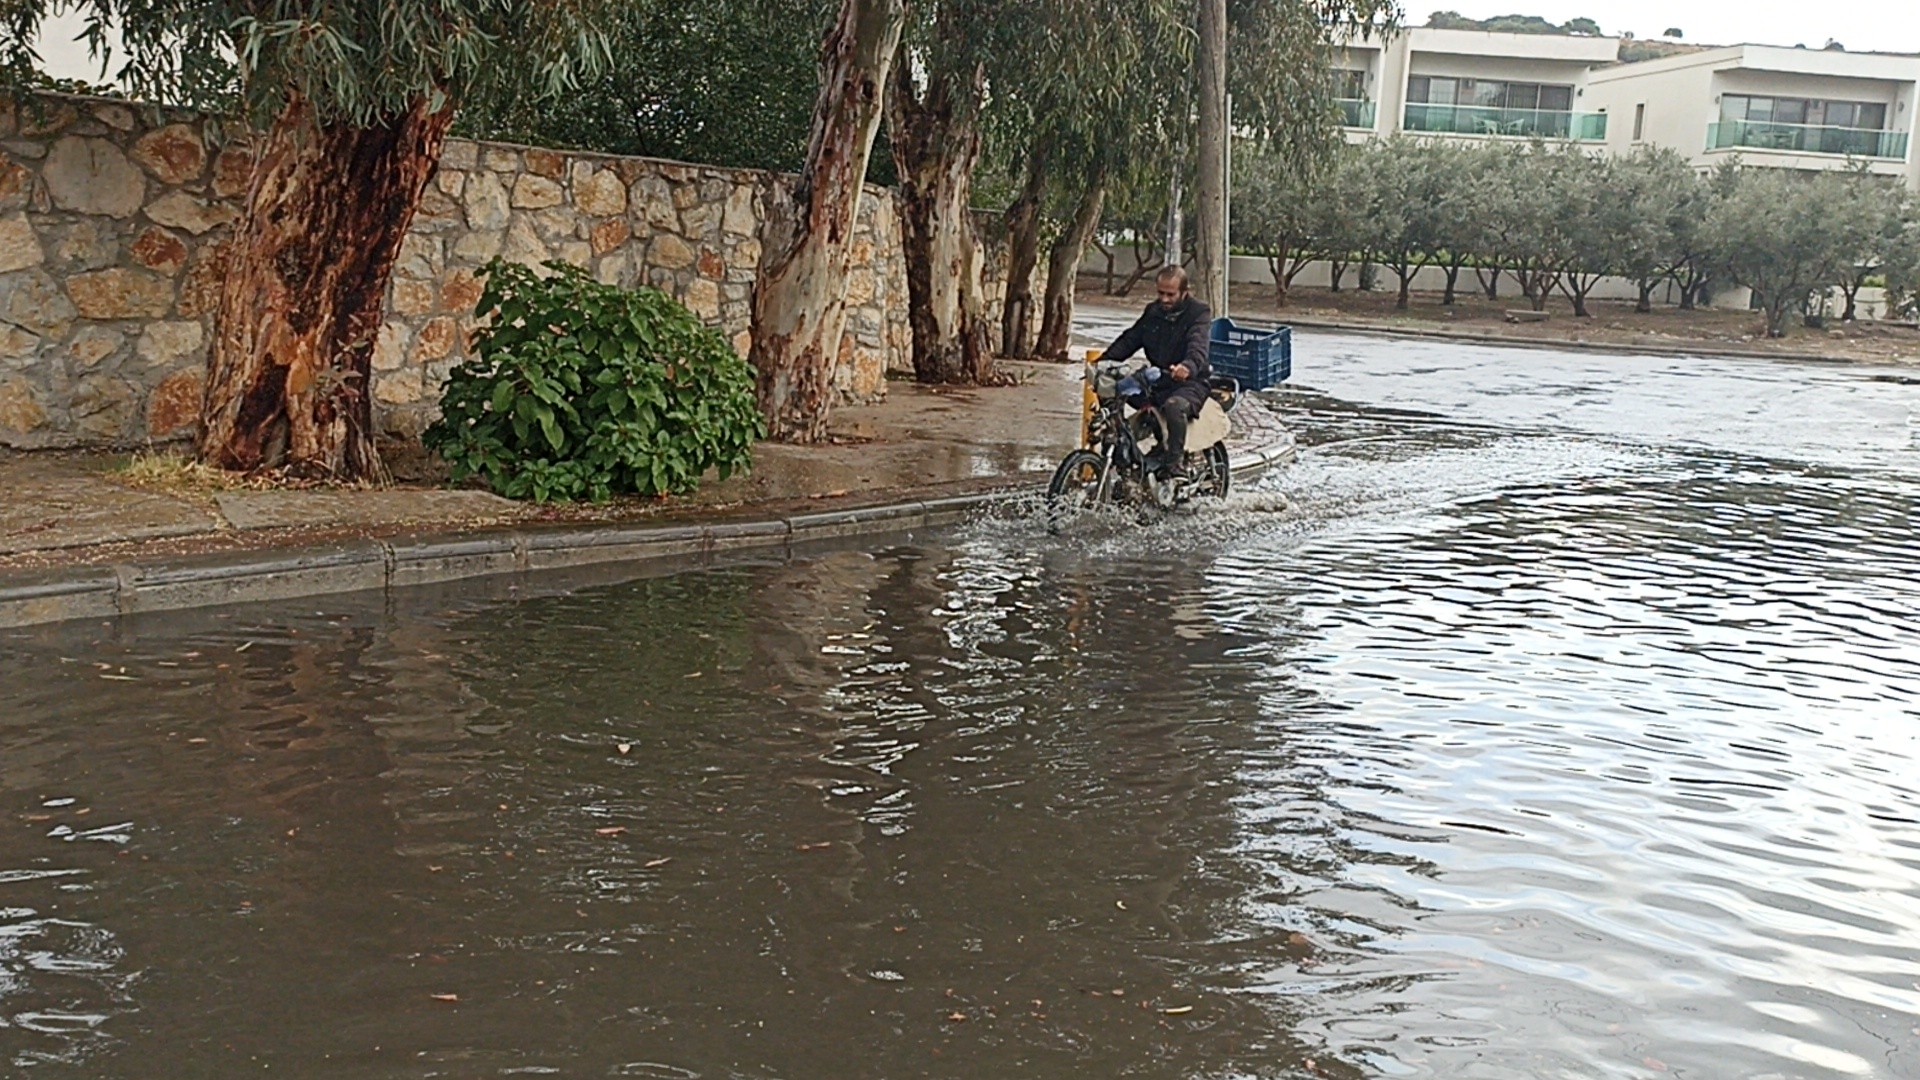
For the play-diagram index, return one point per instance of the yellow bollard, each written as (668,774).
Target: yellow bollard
(1089,401)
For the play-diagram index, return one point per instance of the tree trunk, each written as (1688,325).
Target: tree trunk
(1336,269)
(1851,290)
(1277,266)
(936,142)
(1645,303)
(799,299)
(1406,286)
(290,371)
(1063,265)
(1024,220)
(1489,282)
(1453,285)
(1210,187)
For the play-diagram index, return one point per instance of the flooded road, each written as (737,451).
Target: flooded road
(1564,726)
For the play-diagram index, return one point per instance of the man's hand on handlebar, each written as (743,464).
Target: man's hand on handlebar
(1181,371)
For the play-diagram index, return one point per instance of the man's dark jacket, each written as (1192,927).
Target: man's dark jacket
(1169,336)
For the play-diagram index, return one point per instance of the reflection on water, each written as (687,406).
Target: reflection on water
(1519,746)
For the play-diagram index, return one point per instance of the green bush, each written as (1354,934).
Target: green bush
(580,390)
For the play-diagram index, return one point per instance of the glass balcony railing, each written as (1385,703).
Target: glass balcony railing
(1807,139)
(1356,112)
(1518,123)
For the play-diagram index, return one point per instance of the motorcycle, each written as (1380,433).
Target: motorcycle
(1115,463)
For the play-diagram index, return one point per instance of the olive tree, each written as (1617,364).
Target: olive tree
(1777,234)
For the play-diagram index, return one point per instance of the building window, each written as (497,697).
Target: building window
(1639,121)
(1349,84)
(1816,112)
(1492,107)
(1488,94)
(1805,125)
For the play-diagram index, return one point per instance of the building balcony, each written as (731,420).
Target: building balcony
(1807,139)
(1356,112)
(1513,123)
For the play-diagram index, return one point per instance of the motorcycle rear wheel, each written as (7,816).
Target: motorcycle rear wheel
(1074,489)
(1220,469)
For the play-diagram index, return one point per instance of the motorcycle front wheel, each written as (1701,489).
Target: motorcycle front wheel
(1074,489)
(1220,469)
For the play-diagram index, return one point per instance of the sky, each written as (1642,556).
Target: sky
(1875,25)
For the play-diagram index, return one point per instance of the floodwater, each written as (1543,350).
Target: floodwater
(1564,725)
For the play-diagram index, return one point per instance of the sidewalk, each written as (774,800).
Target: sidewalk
(76,540)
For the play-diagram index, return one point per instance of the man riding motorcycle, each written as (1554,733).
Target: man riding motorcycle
(1174,332)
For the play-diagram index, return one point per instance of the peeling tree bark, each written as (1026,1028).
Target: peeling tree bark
(289,373)
(936,144)
(1063,266)
(799,298)
(1023,257)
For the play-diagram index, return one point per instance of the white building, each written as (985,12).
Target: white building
(1771,106)
(1472,84)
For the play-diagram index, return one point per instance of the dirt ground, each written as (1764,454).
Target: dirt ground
(1612,323)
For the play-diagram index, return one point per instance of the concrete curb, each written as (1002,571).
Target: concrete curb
(1651,349)
(96,592)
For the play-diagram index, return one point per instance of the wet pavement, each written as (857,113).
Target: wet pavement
(1560,721)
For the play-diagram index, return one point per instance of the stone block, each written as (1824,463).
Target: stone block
(174,406)
(523,244)
(860,287)
(20,410)
(700,223)
(460,291)
(485,200)
(92,176)
(17,346)
(450,182)
(436,340)
(402,386)
(159,250)
(739,218)
(206,275)
(476,248)
(19,244)
(103,408)
(119,293)
(179,210)
(86,244)
(612,269)
(32,299)
(743,343)
(170,344)
(437,206)
(412,296)
(651,199)
(52,119)
(546,163)
(577,252)
(533,192)
(670,252)
(93,344)
(746,255)
(601,195)
(422,257)
(502,159)
(172,155)
(712,266)
(686,196)
(461,154)
(117,117)
(390,346)
(609,235)
(233,171)
(703,299)
(16,184)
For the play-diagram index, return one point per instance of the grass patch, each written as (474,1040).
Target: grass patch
(173,473)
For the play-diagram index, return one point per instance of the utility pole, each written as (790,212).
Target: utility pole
(1210,193)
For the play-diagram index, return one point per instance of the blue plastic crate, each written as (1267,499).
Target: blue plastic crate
(1258,356)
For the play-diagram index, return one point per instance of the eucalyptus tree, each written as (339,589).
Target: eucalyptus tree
(799,297)
(349,102)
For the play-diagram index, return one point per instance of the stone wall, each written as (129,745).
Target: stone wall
(115,221)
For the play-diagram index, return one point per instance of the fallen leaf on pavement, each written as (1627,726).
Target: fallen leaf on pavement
(613,830)
(444,997)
